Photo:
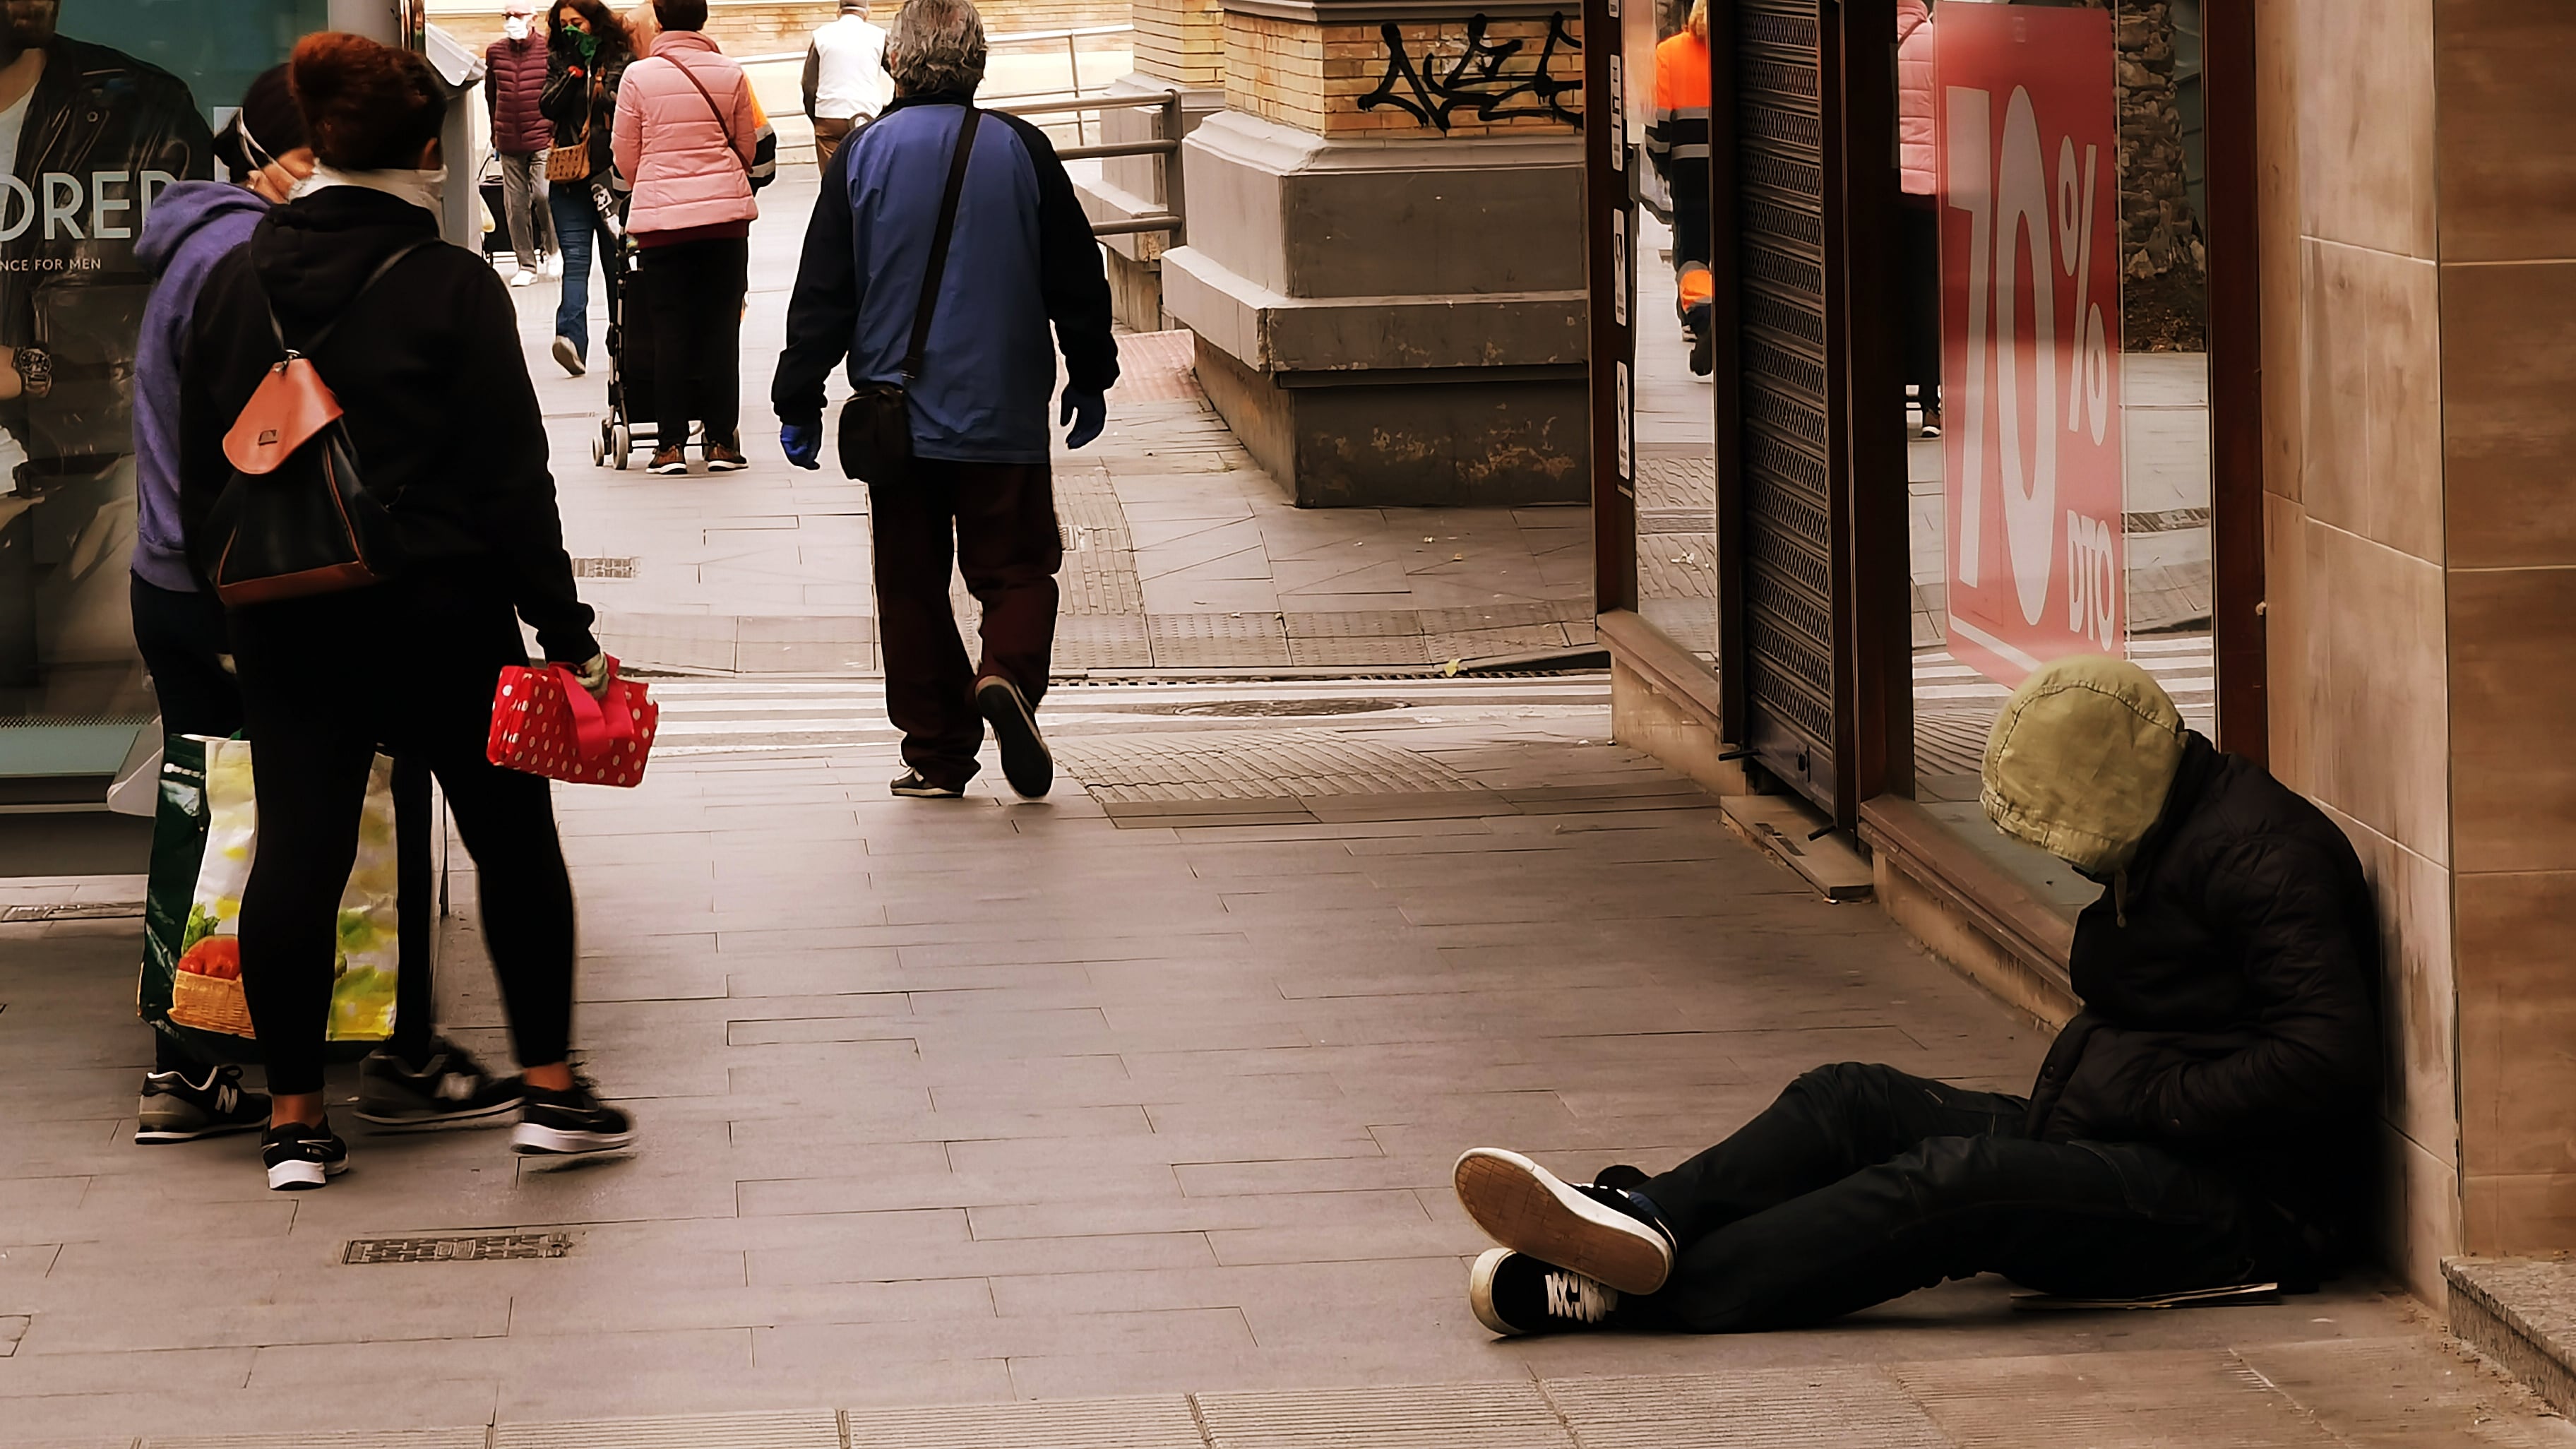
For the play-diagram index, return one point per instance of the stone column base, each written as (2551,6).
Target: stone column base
(1390,323)
(1426,438)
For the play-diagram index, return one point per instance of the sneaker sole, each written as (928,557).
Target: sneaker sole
(1526,1208)
(303,1176)
(726,467)
(1480,1292)
(480,1117)
(530,1140)
(1025,760)
(147,1136)
(931,794)
(676,470)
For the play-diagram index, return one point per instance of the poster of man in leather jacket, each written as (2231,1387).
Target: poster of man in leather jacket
(88,135)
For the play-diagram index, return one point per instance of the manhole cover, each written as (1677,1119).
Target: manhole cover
(1274,708)
(480,1248)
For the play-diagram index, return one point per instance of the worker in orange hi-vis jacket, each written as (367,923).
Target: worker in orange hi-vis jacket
(1677,142)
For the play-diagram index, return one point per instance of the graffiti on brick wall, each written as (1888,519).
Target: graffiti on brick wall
(1480,80)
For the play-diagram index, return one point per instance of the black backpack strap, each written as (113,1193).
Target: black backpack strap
(313,344)
(939,243)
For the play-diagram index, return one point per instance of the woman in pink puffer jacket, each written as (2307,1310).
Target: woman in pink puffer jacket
(687,136)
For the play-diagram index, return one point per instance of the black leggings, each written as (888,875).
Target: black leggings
(1862,1184)
(325,683)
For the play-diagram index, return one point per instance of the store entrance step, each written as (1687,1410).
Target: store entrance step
(1801,839)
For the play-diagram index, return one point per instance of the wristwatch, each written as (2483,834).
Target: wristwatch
(35,368)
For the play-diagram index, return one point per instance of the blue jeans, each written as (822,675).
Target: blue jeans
(1862,1183)
(577,221)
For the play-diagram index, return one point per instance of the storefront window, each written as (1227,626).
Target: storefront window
(122,104)
(1665,49)
(2056,286)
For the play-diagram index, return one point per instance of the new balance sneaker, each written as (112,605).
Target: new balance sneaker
(450,1090)
(1025,761)
(565,1124)
(299,1156)
(1514,1293)
(911,786)
(174,1109)
(1600,1232)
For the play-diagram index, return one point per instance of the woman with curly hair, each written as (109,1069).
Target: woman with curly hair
(587,52)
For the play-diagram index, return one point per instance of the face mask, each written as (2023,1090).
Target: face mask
(516,27)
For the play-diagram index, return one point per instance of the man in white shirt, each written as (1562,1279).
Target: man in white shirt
(846,84)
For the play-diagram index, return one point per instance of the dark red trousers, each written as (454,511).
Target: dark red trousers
(999,520)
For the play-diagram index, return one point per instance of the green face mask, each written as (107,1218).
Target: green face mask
(586,43)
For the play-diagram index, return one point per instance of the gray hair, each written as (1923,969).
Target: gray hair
(936,46)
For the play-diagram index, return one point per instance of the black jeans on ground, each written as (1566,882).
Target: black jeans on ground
(696,291)
(1001,520)
(410,667)
(1862,1184)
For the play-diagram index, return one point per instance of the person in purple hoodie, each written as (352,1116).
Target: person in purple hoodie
(419,1079)
(178,626)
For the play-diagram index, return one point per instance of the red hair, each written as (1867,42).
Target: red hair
(367,107)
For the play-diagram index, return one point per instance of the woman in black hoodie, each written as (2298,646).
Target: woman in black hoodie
(445,425)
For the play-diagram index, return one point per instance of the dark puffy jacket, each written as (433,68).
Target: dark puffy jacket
(514,90)
(2230,981)
(431,380)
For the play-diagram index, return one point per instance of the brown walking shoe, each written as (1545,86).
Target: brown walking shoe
(668,463)
(722,459)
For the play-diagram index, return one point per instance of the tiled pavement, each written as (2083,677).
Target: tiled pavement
(1181,553)
(991,1103)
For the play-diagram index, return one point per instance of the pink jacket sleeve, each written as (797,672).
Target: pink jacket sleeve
(626,137)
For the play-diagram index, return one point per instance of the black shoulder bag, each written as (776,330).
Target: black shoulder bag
(295,519)
(876,423)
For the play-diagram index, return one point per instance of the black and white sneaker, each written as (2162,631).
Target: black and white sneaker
(299,1157)
(174,1109)
(451,1090)
(566,1124)
(1514,1293)
(1025,761)
(911,786)
(1599,1232)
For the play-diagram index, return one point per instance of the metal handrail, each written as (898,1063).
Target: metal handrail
(1166,144)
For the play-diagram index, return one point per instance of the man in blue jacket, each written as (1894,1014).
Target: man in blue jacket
(1021,255)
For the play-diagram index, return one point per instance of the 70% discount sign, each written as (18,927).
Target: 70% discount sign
(2030,321)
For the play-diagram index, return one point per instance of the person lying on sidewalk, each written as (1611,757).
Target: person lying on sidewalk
(2207,1120)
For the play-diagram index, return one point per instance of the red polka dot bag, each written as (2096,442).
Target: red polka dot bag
(545,723)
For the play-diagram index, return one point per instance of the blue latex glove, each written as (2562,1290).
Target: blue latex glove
(1088,412)
(803,444)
